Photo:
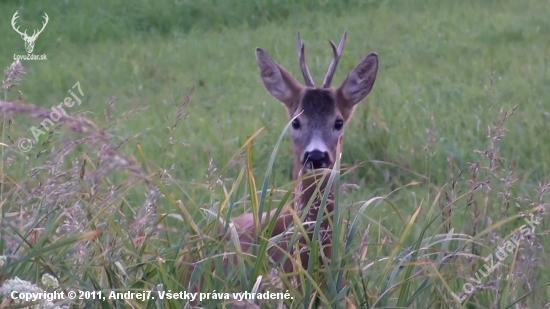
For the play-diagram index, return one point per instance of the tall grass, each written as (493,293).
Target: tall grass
(440,168)
(98,216)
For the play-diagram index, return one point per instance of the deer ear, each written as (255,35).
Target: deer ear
(360,80)
(278,81)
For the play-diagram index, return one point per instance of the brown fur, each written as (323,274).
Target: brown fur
(317,109)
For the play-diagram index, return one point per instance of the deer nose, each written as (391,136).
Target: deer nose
(317,159)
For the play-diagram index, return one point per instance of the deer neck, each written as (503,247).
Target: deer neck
(312,185)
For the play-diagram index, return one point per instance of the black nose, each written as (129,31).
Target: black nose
(317,159)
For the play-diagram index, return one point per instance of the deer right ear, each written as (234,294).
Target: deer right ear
(278,81)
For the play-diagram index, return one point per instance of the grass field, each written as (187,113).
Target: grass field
(453,140)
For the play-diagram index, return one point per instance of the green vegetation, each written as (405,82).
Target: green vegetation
(95,203)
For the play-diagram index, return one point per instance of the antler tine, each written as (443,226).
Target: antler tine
(13,19)
(337,53)
(302,58)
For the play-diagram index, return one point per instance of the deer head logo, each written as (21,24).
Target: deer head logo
(29,40)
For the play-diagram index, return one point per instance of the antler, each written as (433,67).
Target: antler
(337,54)
(303,65)
(43,26)
(15,16)
(34,34)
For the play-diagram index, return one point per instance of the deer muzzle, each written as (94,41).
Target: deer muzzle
(316,159)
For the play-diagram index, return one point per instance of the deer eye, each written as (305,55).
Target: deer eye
(295,124)
(338,124)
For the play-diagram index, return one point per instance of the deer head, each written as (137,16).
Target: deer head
(319,114)
(29,40)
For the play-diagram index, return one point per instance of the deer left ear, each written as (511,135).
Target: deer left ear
(360,80)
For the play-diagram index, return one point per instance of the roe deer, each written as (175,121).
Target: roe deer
(319,116)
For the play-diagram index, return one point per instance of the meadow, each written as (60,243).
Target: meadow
(442,163)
